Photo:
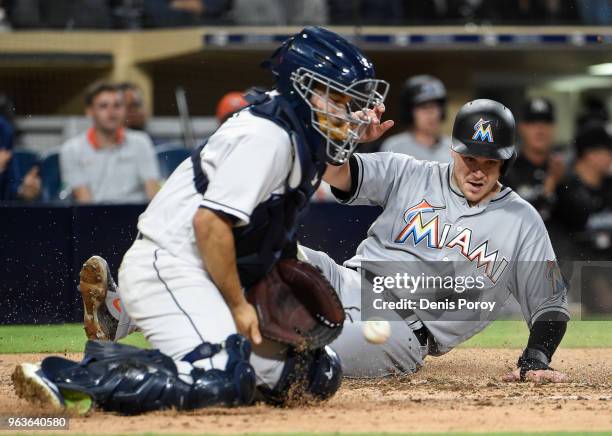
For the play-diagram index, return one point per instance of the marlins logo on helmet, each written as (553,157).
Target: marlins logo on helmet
(482,133)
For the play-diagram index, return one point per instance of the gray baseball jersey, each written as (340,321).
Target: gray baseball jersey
(425,217)
(405,143)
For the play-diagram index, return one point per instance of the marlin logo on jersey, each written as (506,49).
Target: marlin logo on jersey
(420,230)
(482,133)
(413,218)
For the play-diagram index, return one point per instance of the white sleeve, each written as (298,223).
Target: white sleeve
(248,174)
(373,176)
(539,286)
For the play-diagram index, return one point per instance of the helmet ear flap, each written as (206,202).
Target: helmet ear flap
(508,163)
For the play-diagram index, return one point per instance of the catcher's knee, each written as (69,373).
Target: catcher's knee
(233,386)
(306,375)
(129,380)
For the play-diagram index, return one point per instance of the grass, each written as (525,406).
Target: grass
(514,334)
(65,338)
(57,338)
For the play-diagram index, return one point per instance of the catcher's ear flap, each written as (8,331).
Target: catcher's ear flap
(313,290)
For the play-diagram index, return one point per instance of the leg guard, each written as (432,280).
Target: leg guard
(130,380)
(306,375)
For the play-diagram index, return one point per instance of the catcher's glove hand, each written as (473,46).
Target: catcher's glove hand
(296,305)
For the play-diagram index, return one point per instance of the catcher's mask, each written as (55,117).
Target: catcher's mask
(338,112)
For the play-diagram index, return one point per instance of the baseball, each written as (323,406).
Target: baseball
(377,331)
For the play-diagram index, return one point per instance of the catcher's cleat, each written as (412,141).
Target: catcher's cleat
(95,280)
(31,384)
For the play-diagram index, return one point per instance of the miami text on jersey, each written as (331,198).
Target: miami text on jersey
(429,232)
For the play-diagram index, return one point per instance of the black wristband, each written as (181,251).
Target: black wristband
(532,360)
(344,196)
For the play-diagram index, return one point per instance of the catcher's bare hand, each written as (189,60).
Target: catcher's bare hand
(377,127)
(537,376)
(246,321)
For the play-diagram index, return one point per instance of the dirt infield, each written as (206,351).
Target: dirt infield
(456,392)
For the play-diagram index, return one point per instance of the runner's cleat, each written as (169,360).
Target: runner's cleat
(94,283)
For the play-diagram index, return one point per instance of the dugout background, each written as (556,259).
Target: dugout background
(46,73)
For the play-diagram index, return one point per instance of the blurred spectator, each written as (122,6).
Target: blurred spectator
(595,12)
(594,110)
(539,12)
(60,14)
(512,11)
(136,115)
(582,190)
(537,171)
(417,12)
(584,197)
(582,225)
(11,188)
(128,14)
(279,12)
(4,23)
(351,13)
(343,12)
(180,13)
(108,163)
(423,108)
(8,170)
(387,12)
(475,11)
(135,14)
(231,102)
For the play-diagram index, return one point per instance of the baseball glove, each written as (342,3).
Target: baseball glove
(296,305)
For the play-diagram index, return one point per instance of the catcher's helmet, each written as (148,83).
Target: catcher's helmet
(319,61)
(485,128)
(418,90)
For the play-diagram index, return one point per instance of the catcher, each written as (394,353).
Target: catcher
(223,223)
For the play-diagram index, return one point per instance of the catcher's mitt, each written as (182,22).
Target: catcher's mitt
(297,305)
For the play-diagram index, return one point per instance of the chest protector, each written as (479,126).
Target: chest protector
(271,232)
